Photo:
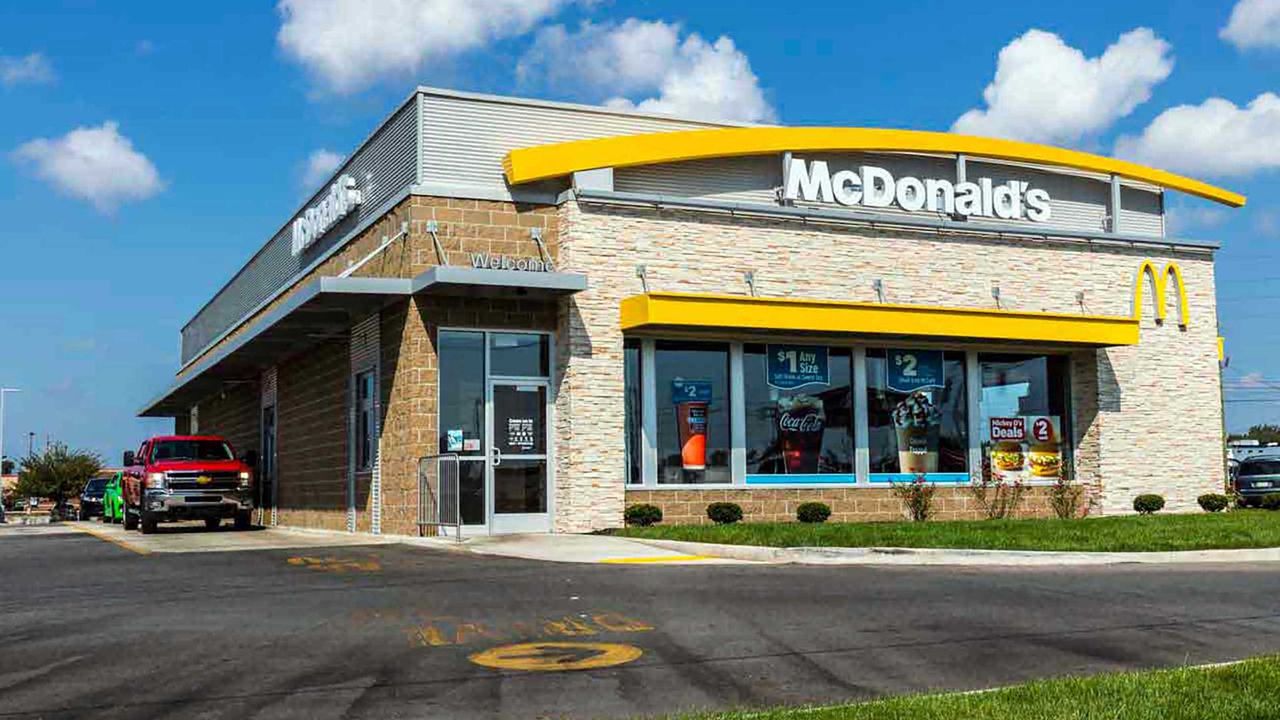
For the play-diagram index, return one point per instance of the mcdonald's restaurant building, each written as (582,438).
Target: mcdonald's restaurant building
(586,308)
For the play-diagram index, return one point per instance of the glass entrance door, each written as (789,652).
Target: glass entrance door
(518,456)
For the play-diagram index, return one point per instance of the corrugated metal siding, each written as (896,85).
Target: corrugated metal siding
(464,139)
(1141,212)
(747,179)
(388,158)
(1077,203)
(365,357)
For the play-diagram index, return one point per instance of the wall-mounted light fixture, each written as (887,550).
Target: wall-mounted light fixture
(878,286)
(644,278)
(750,277)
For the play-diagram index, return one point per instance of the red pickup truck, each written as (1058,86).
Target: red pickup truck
(187,477)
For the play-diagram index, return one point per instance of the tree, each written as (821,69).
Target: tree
(57,473)
(1261,433)
(6,466)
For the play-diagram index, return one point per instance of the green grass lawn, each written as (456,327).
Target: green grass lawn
(1245,690)
(1199,531)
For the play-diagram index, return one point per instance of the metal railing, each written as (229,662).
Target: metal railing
(439,495)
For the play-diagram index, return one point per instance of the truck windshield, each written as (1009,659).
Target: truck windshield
(190,450)
(96,485)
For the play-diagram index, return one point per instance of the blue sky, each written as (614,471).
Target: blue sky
(219,111)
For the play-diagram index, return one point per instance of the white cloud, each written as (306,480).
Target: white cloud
(1180,219)
(1253,24)
(1267,223)
(320,165)
(347,44)
(1047,91)
(691,77)
(1216,137)
(96,164)
(34,68)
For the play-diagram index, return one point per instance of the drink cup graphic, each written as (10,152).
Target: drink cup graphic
(916,423)
(692,419)
(801,422)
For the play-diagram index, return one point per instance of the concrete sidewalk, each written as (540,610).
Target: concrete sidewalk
(932,556)
(587,549)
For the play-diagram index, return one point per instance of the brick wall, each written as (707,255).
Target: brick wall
(312,437)
(234,414)
(1147,417)
(689,507)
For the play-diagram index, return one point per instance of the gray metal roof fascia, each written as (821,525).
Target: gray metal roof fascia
(660,201)
(483,192)
(449,275)
(312,290)
(365,224)
(558,105)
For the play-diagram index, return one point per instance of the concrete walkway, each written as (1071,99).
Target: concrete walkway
(930,556)
(587,549)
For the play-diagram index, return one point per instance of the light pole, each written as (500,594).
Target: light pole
(3,390)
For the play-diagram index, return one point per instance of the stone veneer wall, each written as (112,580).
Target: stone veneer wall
(1147,417)
(877,504)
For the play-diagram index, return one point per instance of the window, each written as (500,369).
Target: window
(519,354)
(1250,468)
(692,412)
(190,450)
(364,439)
(916,415)
(631,410)
(1024,423)
(799,412)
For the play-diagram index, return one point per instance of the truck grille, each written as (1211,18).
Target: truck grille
(187,480)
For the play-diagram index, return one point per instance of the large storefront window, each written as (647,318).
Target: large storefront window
(631,409)
(1024,421)
(916,415)
(799,413)
(692,412)
(461,428)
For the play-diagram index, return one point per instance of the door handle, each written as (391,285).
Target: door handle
(496,457)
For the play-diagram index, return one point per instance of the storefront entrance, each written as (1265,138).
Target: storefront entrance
(495,405)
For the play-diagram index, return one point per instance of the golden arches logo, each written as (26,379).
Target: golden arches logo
(1159,290)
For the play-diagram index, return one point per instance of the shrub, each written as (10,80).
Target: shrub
(724,513)
(1271,501)
(813,512)
(916,497)
(1149,503)
(1213,502)
(997,499)
(643,514)
(1065,498)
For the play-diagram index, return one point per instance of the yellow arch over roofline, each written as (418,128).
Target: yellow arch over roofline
(561,159)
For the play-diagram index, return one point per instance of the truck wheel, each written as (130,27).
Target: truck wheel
(212,523)
(244,519)
(148,523)
(130,519)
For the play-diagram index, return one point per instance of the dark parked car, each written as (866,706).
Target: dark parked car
(1256,478)
(91,497)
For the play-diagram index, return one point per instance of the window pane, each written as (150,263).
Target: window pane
(519,354)
(520,486)
(461,358)
(632,403)
(1024,420)
(693,412)
(916,415)
(805,426)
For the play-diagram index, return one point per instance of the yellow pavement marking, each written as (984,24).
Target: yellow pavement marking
(336,565)
(113,540)
(556,656)
(437,631)
(658,559)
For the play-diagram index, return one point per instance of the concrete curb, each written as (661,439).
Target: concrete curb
(931,556)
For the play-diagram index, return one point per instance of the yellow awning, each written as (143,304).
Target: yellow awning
(687,311)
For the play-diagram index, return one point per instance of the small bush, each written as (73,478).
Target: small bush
(1271,502)
(916,497)
(643,514)
(724,513)
(996,498)
(1065,499)
(1148,504)
(1213,502)
(813,512)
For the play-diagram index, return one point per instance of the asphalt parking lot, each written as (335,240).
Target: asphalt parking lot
(93,629)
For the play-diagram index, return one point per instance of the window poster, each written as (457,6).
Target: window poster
(793,366)
(1027,447)
(692,399)
(520,434)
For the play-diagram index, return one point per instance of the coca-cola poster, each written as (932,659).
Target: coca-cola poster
(801,423)
(794,366)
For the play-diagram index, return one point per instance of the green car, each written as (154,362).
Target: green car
(113,501)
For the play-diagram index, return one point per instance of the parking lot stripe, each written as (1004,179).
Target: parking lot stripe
(114,541)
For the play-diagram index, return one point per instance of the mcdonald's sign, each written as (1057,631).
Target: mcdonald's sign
(1159,288)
